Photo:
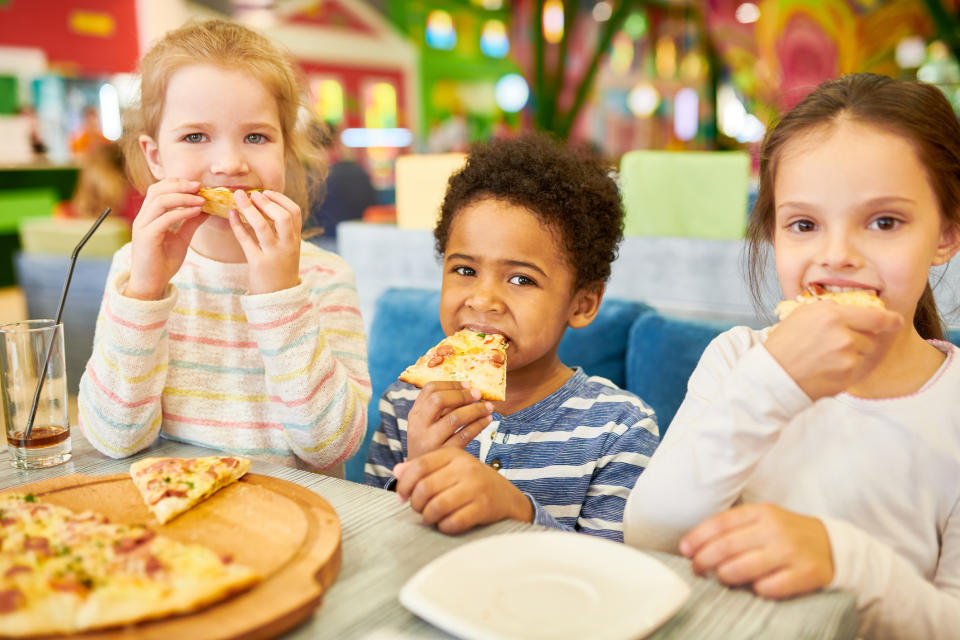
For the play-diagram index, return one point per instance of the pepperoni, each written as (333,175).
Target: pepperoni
(230,462)
(40,508)
(156,466)
(125,545)
(498,358)
(152,565)
(15,569)
(171,493)
(6,522)
(226,558)
(445,350)
(39,544)
(435,361)
(212,473)
(11,600)
(67,584)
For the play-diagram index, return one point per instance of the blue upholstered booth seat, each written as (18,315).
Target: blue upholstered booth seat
(407,322)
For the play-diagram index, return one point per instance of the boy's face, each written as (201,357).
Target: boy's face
(505,272)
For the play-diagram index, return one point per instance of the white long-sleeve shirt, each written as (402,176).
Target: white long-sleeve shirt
(280,375)
(882,475)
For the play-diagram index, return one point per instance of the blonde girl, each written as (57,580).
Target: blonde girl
(230,334)
(825,452)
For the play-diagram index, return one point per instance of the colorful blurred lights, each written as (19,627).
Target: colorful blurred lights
(511,92)
(643,100)
(493,39)
(635,25)
(747,13)
(110,112)
(553,21)
(621,53)
(686,114)
(602,11)
(441,33)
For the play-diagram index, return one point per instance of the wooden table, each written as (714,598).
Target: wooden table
(384,544)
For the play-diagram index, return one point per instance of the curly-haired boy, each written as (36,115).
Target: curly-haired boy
(527,232)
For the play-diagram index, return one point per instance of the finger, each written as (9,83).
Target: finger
(461,519)
(869,319)
(715,526)
(440,403)
(410,473)
(785,583)
(464,436)
(449,424)
(428,488)
(724,547)
(248,244)
(286,223)
(255,218)
(748,566)
(282,200)
(447,497)
(189,227)
(163,204)
(170,219)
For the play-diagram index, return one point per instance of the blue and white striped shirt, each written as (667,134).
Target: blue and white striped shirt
(576,454)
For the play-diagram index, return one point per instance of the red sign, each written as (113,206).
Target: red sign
(78,36)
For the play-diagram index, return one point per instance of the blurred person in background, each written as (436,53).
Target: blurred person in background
(89,135)
(102,183)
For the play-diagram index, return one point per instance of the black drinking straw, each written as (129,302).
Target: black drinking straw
(56,323)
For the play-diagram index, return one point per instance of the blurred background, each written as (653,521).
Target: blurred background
(676,94)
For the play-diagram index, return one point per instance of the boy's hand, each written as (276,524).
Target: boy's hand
(439,411)
(455,491)
(162,231)
(272,242)
(778,552)
(827,347)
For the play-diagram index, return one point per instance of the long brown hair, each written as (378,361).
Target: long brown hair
(230,46)
(916,111)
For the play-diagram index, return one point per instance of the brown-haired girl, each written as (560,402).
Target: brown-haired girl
(824,452)
(228,333)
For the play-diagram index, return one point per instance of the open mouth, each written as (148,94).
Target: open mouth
(479,328)
(818,288)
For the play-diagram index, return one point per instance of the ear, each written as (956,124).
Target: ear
(585,304)
(949,243)
(152,154)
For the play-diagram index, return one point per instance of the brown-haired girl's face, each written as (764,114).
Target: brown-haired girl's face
(220,127)
(854,209)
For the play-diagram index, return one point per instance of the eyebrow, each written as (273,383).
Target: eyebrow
(509,263)
(873,202)
(208,125)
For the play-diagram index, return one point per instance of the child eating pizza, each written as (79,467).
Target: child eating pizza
(527,232)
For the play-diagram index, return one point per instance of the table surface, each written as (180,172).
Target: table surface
(384,544)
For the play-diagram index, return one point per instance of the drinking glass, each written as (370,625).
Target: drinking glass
(23,348)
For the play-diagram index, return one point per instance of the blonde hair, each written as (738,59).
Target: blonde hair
(230,46)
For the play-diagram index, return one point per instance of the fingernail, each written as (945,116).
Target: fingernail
(475,394)
(684,547)
(398,469)
(489,406)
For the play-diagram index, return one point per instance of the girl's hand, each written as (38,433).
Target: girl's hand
(778,552)
(452,489)
(436,418)
(826,347)
(271,244)
(162,232)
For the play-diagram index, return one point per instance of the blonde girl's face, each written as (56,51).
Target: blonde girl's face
(218,126)
(855,210)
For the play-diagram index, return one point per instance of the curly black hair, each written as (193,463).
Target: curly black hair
(569,189)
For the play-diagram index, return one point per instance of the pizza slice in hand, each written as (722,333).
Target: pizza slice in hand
(170,486)
(479,359)
(858,298)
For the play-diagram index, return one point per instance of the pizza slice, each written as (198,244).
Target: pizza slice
(219,201)
(479,359)
(64,572)
(858,298)
(170,486)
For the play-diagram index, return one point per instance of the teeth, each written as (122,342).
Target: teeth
(834,289)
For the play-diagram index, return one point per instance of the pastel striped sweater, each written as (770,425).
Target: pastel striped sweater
(281,376)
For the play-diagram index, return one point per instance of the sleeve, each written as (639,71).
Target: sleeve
(387,447)
(893,599)
(738,401)
(314,351)
(120,391)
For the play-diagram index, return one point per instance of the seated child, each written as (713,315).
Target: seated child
(825,452)
(527,232)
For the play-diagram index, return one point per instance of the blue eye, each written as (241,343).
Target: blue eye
(256,138)
(194,137)
(521,280)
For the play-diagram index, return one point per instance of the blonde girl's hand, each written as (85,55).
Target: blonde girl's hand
(826,347)
(455,491)
(271,244)
(445,414)
(162,231)
(778,552)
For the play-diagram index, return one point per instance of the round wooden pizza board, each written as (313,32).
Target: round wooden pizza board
(287,533)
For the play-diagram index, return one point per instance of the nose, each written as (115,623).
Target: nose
(485,297)
(228,159)
(838,251)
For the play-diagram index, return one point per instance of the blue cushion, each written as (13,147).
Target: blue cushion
(406,323)
(953,335)
(662,352)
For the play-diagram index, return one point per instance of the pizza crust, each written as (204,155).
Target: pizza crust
(854,298)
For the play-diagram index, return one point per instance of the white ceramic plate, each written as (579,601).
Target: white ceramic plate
(545,584)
